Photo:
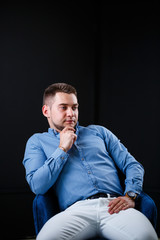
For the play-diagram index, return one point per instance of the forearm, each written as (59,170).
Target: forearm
(132,169)
(134,178)
(42,174)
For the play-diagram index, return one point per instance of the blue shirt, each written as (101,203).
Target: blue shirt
(89,167)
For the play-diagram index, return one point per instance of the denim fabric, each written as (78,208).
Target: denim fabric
(89,167)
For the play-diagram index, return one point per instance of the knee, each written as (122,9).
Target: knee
(146,235)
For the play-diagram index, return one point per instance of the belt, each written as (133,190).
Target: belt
(103,195)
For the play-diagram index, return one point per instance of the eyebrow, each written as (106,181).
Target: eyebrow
(65,104)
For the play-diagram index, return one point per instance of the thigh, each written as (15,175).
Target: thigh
(128,224)
(74,223)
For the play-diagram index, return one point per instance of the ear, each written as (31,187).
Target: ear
(46,111)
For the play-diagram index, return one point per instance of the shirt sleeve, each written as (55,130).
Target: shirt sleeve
(42,172)
(132,169)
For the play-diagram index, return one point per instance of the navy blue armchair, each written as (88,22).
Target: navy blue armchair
(45,206)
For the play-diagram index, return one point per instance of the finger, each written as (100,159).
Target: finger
(117,204)
(112,205)
(113,202)
(121,205)
(74,138)
(125,206)
(115,209)
(68,128)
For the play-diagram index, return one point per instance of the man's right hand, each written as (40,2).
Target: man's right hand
(67,138)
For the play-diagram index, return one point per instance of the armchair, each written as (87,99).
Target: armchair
(45,206)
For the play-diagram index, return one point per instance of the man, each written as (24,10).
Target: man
(80,163)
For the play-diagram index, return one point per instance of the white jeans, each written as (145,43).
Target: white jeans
(85,219)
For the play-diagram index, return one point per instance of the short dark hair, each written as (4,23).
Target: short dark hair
(51,90)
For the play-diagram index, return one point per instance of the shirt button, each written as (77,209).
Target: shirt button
(89,172)
(62,158)
(82,159)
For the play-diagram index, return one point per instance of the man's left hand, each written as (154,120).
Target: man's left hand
(120,203)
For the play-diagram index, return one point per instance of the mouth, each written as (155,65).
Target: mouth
(70,121)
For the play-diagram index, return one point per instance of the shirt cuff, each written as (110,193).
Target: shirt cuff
(59,156)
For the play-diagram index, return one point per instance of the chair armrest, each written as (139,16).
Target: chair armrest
(146,205)
(44,207)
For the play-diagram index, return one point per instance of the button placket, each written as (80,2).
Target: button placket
(86,167)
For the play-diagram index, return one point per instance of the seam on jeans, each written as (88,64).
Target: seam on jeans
(98,218)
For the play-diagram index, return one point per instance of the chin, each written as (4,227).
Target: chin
(70,125)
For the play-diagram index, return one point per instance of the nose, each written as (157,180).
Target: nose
(70,112)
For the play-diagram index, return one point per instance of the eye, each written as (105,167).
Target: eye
(74,108)
(63,108)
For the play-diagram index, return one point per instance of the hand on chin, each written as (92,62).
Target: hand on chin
(69,124)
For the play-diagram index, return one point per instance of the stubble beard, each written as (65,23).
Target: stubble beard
(59,128)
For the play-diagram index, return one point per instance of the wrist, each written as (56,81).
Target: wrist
(131,195)
(62,148)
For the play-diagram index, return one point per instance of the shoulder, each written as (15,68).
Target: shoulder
(98,129)
(37,137)
(103,132)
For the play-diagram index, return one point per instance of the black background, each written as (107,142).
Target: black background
(109,52)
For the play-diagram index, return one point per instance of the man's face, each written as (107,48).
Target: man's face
(62,111)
